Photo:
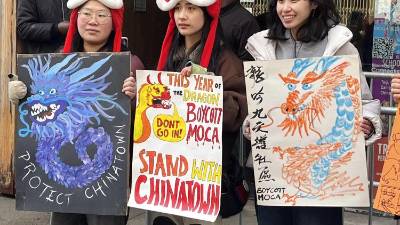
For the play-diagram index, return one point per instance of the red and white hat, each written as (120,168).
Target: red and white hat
(213,9)
(117,15)
(112,4)
(166,5)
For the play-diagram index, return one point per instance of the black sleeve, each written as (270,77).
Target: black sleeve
(246,30)
(28,24)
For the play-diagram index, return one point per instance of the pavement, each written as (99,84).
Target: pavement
(9,216)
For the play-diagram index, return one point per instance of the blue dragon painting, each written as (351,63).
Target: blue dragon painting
(313,87)
(66,106)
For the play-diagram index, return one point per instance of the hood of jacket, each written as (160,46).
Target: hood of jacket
(262,48)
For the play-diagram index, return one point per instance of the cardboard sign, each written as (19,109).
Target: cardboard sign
(387,198)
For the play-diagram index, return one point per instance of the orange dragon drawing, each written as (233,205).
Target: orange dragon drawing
(314,170)
(150,95)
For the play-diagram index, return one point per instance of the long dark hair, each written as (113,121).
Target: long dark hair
(316,28)
(179,40)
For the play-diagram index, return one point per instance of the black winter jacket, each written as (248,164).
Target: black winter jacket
(37,24)
(238,25)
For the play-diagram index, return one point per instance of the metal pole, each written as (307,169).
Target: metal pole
(241,162)
(378,75)
(391,103)
(371,182)
(370,150)
(386,111)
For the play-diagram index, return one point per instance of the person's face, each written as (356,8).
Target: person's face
(294,13)
(94,23)
(189,19)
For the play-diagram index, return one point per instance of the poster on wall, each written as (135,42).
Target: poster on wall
(386,50)
(73,134)
(177,153)
(386,47)
(307,143)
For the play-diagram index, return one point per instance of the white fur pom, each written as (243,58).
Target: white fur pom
(112,4)
(166,5)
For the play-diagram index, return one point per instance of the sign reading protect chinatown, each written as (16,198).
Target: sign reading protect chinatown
(177,153)
(73,134)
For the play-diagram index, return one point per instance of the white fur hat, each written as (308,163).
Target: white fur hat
(166,5)
(112,4)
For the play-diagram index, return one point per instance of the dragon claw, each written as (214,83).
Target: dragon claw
(279,151)
(290,199)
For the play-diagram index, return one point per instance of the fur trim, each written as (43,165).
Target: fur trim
(166,5)
(112,4)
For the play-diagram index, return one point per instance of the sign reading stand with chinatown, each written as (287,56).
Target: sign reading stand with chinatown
(307,143)
(177,154)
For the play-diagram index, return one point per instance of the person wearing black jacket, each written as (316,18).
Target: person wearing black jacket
(42,25)
(238,25)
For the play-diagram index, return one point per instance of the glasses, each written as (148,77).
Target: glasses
(100,16)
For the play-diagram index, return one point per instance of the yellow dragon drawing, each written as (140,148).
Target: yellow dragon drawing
(150,95)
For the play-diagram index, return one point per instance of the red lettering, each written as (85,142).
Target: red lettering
(215,200)
(173,195)
(204,114)
(185,195)
(162,192)
(190,112)
(139,199)
(172,167)
(160,165)
(183,166)
(191,196)
(182,200)
(200,134)
(198,189)
(154,192)
(151,155)
(144,163)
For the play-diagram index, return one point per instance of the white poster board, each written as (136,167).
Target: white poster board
(307,144)
(177,153)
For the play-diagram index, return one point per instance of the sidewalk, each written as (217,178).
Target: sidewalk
(8,216)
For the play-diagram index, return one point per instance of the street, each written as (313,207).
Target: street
(9,216)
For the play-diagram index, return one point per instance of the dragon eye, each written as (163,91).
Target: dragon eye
(41,92)
(53,91)
(306,86)
(291,87)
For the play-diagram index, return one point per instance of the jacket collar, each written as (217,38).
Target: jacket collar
(262,48)
(338,36)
